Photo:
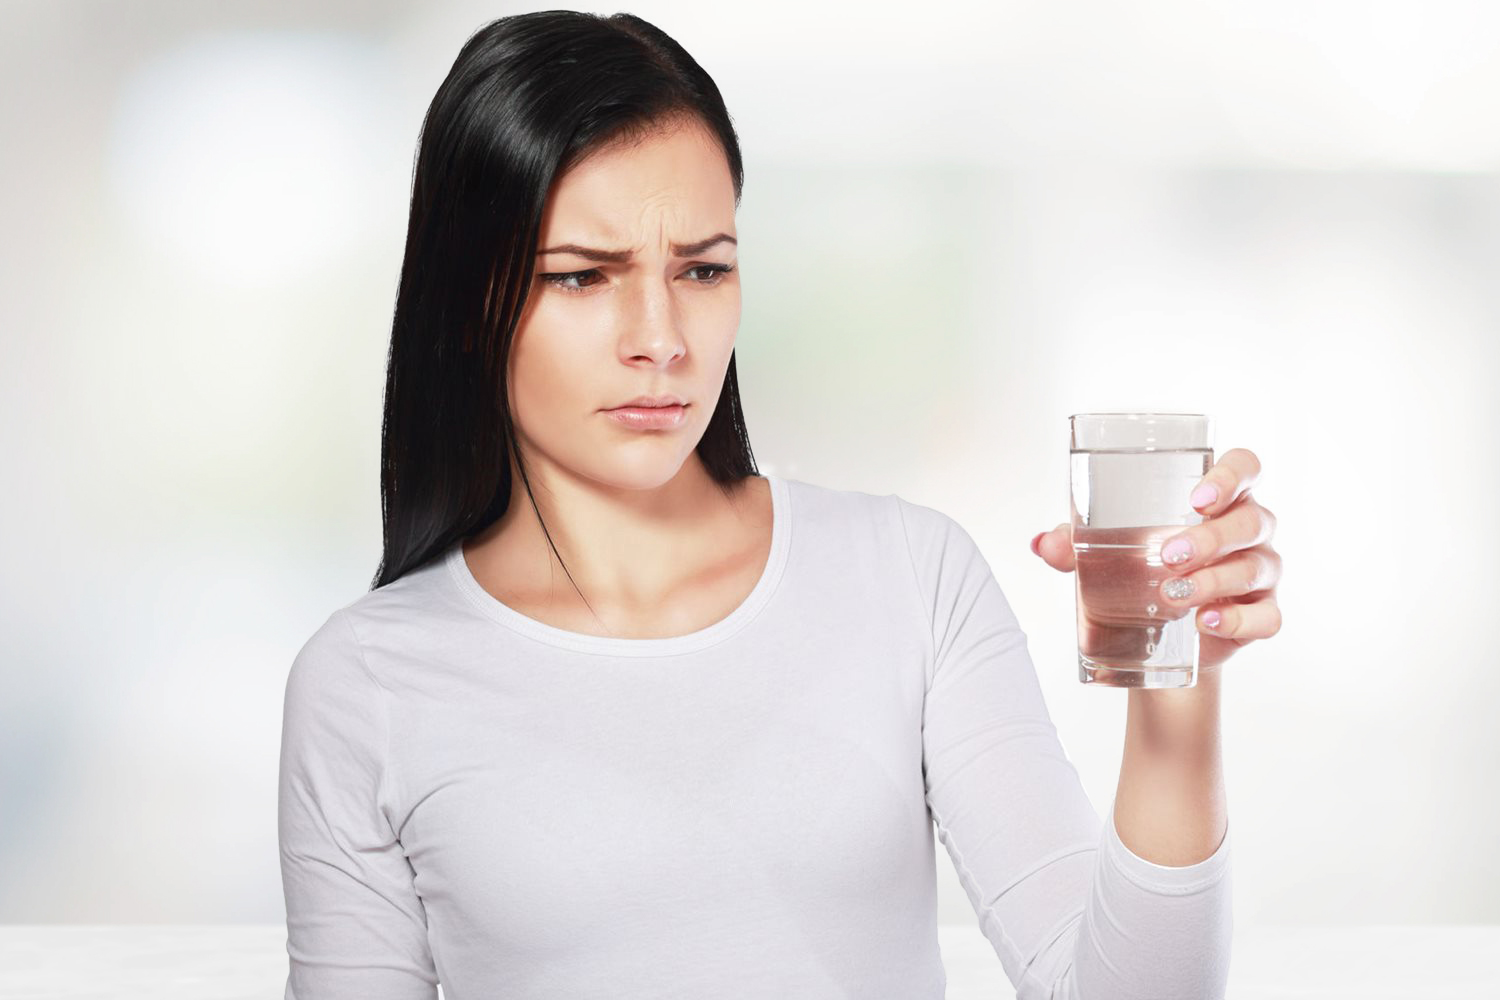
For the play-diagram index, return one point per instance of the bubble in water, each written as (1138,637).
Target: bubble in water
(1150,609)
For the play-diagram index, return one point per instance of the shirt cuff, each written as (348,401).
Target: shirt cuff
(1164,879)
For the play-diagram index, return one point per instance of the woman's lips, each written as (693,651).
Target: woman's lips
(649,418)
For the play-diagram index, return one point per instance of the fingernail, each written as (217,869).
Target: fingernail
(1211,619)
(1205,494)
(1179,588)
(1036,543)
(1178,550)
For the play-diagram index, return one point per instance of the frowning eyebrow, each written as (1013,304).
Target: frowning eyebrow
(622,256)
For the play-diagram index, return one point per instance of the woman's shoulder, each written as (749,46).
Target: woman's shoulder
(865,518)
(843,504)
(408,608)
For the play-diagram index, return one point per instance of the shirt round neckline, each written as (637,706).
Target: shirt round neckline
(498,611)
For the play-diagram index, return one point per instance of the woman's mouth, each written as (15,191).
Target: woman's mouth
(649,418)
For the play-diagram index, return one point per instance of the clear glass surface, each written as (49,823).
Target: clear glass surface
(1130,477)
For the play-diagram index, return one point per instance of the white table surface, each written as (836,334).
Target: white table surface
(244,961)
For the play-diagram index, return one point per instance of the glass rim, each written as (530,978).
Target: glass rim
(1176,416)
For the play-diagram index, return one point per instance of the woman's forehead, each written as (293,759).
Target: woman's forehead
(676,182)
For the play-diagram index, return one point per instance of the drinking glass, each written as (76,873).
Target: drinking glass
(1131,474)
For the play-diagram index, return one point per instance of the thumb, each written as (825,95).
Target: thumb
(1055,547)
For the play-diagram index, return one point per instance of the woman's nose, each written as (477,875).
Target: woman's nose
(653,325)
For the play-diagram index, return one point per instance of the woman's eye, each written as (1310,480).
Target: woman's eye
(567,281)
(716,272)
(558,279)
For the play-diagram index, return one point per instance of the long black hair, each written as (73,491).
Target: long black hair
(528,96)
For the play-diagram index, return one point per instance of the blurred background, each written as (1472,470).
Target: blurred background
(961,223)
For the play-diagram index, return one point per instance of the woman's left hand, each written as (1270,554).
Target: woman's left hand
(1227,560)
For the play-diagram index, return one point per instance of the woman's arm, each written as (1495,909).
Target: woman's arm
(1170,804)
(1070,910)
(356,927)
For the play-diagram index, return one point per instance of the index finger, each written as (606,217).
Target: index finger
(1230,478)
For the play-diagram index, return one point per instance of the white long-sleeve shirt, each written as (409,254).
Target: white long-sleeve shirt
(748,811)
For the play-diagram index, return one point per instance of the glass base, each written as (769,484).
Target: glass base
(1090,672)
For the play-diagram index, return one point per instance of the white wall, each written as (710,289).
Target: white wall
(958,228)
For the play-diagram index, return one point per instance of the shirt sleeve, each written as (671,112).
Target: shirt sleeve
(1071,912)
(356,927)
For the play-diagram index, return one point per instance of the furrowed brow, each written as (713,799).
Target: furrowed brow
(622,256)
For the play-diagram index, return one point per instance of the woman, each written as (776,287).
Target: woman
(710,763)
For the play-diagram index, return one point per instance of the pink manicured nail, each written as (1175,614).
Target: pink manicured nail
(1205,494)
(1211,619)
(1177,550)
(1035,541)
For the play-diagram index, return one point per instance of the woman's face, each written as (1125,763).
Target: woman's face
(659,320)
